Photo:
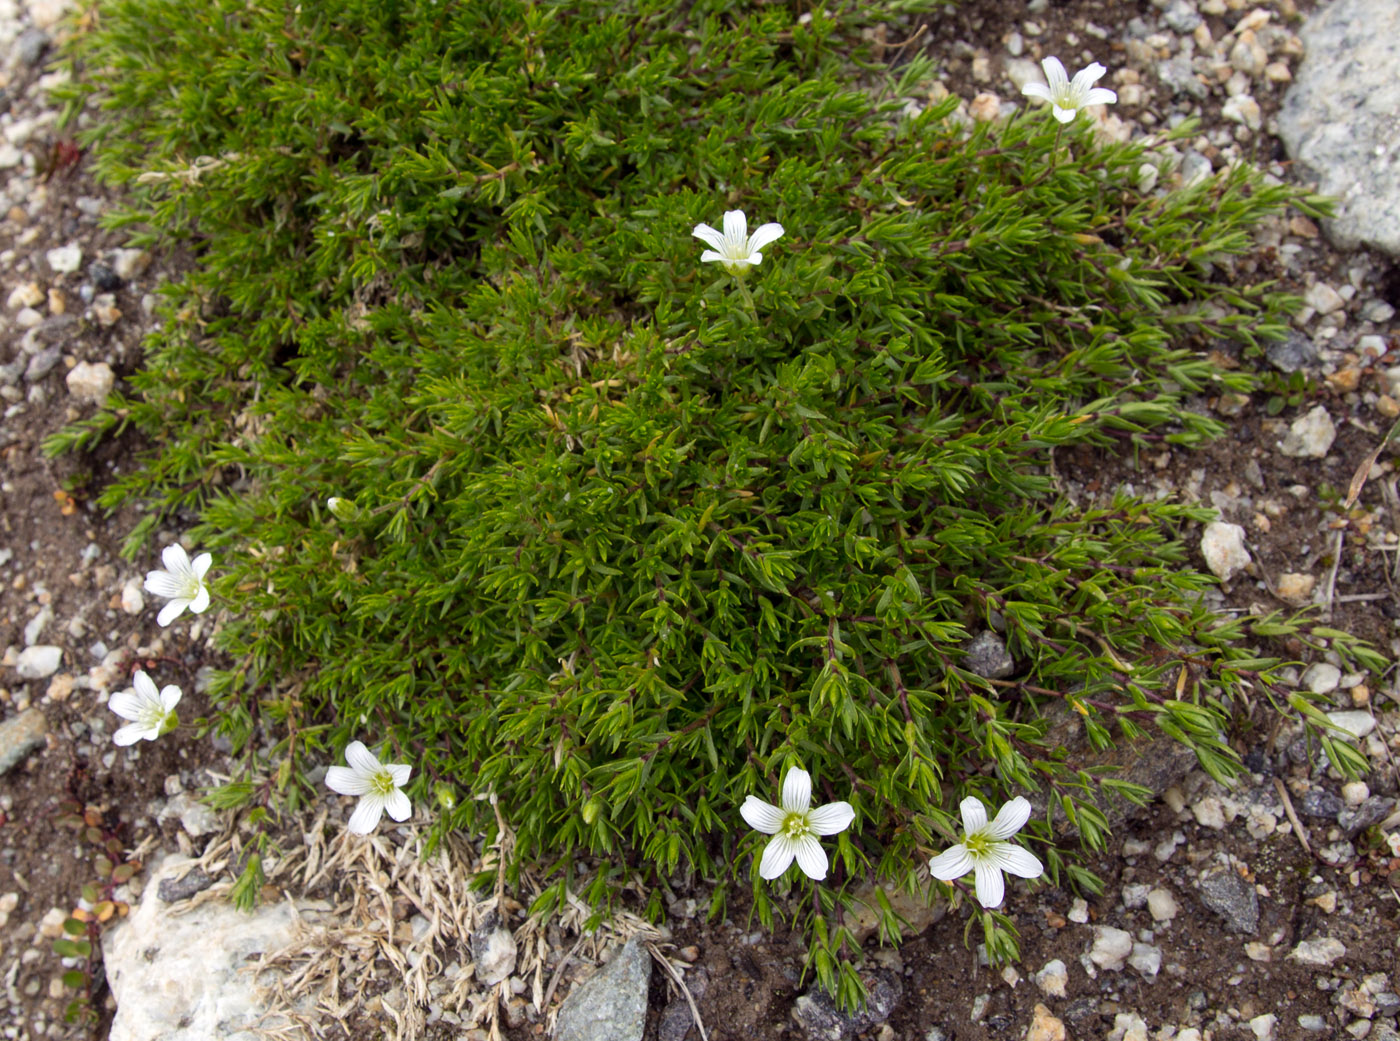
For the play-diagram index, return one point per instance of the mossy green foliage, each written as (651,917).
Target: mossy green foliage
(622,551)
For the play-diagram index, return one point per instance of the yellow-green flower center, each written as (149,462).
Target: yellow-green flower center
(382,782)
(977,844)
(795,825)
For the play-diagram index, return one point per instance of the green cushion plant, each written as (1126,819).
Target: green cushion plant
(619,541)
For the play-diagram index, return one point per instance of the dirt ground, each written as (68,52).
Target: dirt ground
(59,553)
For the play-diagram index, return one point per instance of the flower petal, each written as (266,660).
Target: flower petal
(346,781)
(761,816)
(144,686)
(1036,90)
(1054,74)
(200,565)
(811,858)
(709,236)
(367,814)
(172,611)
(127,704)
(170,697)
(1015,860)
(831,818)
(361,759)
(1065,115)
(752,258)
(1010,819)
(400,772)
(131,733)
(777,855)
(162,583)
(797,790)
(1100,96)
(200,603)
(710,255)
(764,235)
(175,559)
(1087,77)
(736,229)
(974,815)
(396,802)
(990,887)
(951,863)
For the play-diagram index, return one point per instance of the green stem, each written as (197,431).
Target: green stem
(748,297)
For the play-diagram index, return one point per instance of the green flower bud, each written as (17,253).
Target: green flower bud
(344,509)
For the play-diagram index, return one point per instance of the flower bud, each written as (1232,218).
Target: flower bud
(344,509)
(446,795)
(590,810)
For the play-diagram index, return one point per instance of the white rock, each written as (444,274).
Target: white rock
(1310,436)
(65,259)
(1323,299)
(1263,1026)
(28,318)
(1079,910)
(1147,959)
(10,156)
(1355,722)
(1111,948)
(1243,109)
(26,294)
(1322,678)
(1052,978)
(36,625)
(196,818)
(1161,904)
(1319,952)
(130,263)
(40,662)
(1354,793)
(1338,118)
(91,382)
(1128,1026)
(1222,545)
(183,978)
(1209,813)
(1295,587)
(46,13)
(133,602)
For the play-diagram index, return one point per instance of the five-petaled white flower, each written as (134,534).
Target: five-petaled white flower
(182,583)
(1069,96)
(151,711)
(985,851)
(376,784)
(735,248)
(794,827)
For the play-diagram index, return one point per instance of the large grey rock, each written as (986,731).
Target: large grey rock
(1341,118)
(821,1020)
(611,1005)
(1231,897)
(20,735)
(1155,761)
(987,656)
(180,977)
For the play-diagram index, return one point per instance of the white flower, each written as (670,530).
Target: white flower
(1068,96)
(794,827)
(152,712)
(377,785)
(985,851)
(736,249)
(182,583)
